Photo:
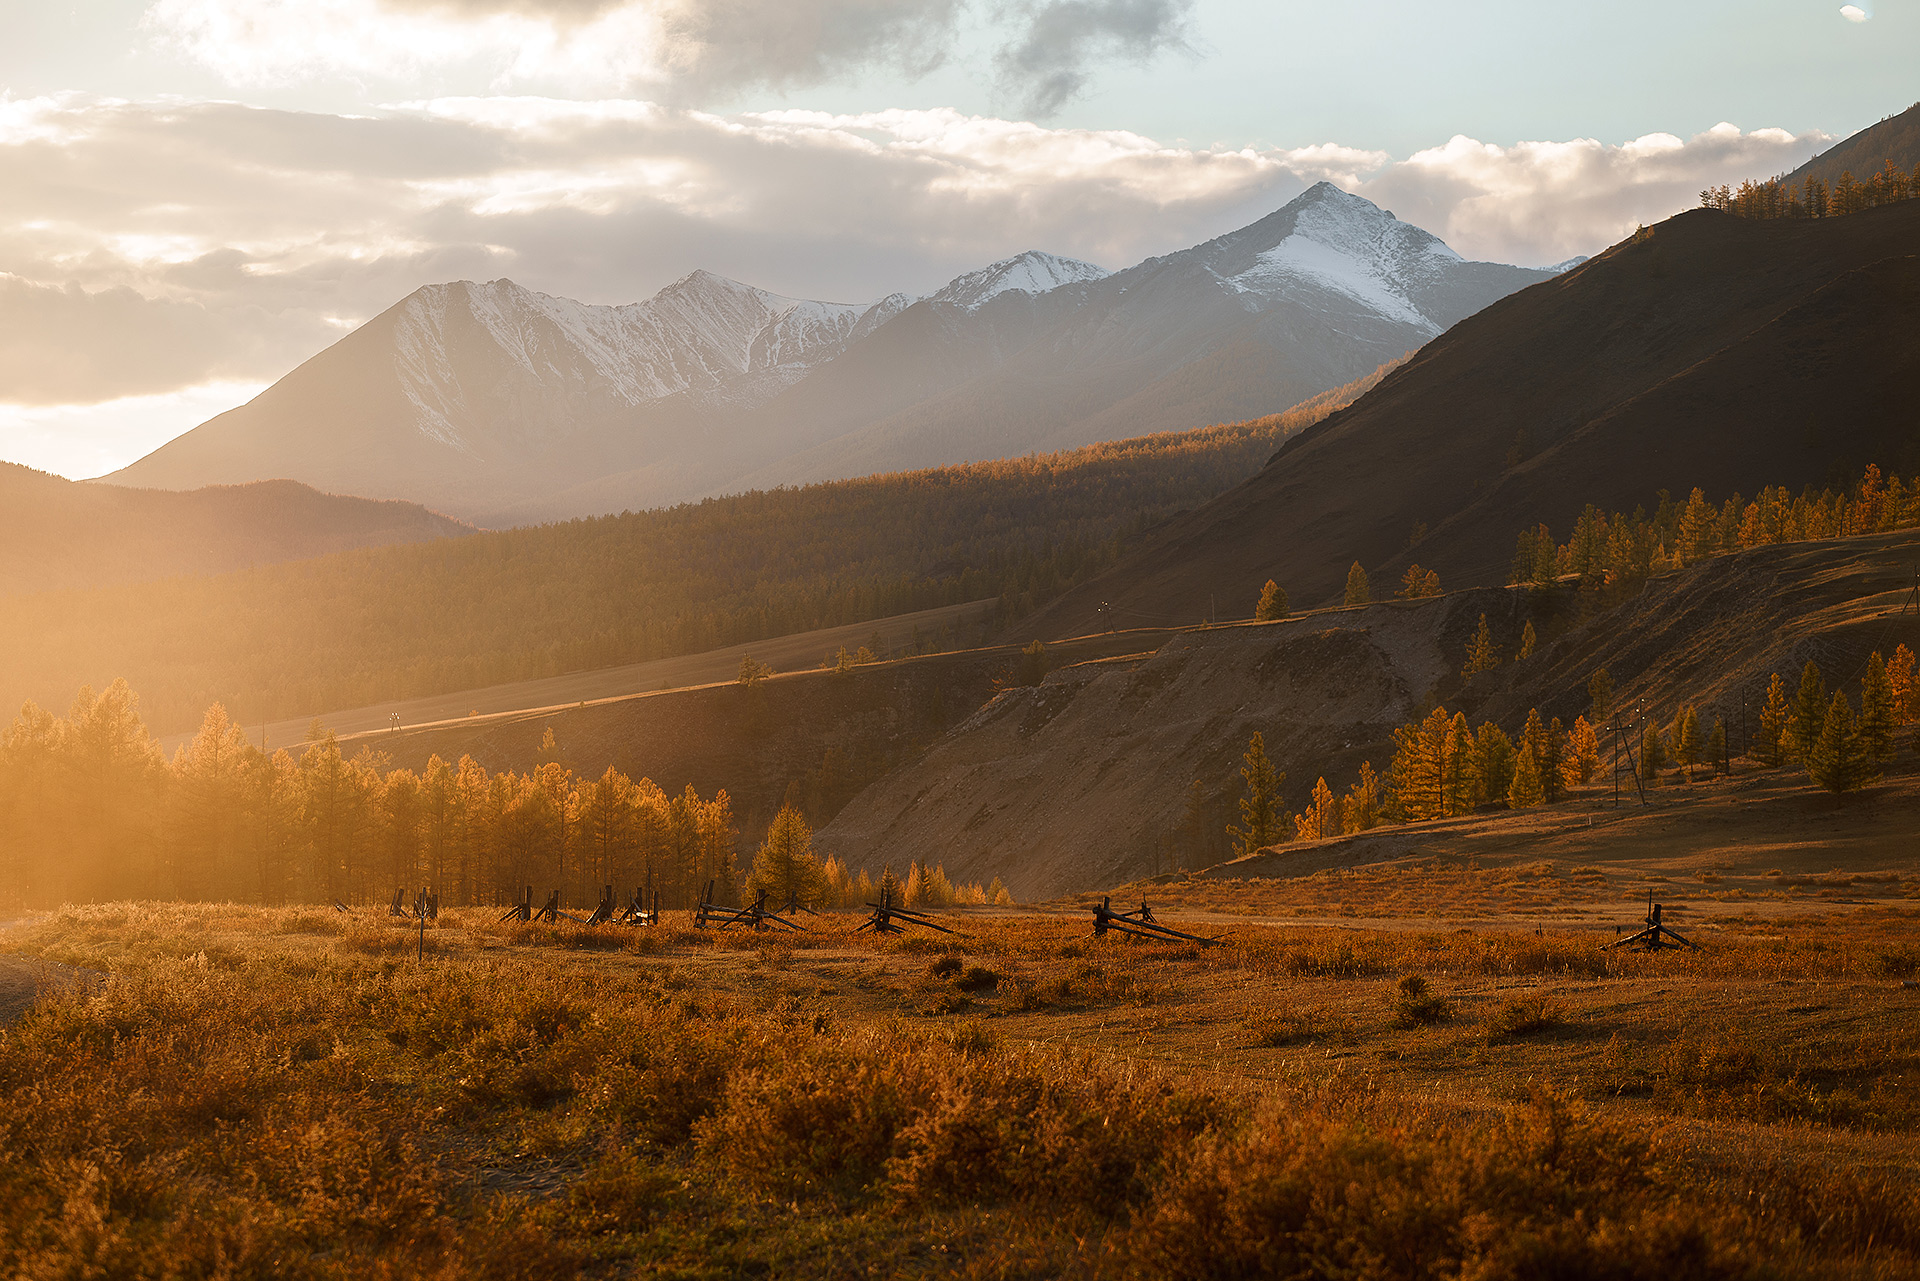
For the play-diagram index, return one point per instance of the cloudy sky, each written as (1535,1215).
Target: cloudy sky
(196,195)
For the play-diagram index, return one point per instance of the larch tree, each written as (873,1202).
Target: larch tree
(1583,754)
(1809,713)
(1600,692)
(1525,790)
(1321,818)
(1360,808)
(1272,605)
(1495,760)
(1418,583)
(1900,675)
(1838,759)
(1717,745)
(1358,593)
(1769,745)
(1653,755)
(1686,740)
(1877,709)
(1259,801)
(1481,654)
(1528,639)
(1458,778)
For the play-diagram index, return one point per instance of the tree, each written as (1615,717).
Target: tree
(1273,603)
(1900,674)
(1653,755)
(1357,591)
(1685,737)
(1457,775)
(1877,709)
(753,671)
(1600,690)
(1583,754)
(1717,744)
(1260,804)
(1417,776)
(1527,640)
(1838,759)
(1495,762)
(1321,817)
(1360,810)
(1418,583)
(1769,744)
(1809,713)
(1481,654)
(1525,790)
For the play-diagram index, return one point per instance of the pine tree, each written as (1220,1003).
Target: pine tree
(1583,754)
(1273,603)
(1481,654)
(1770,744)
(1418,583)
(1685,737)
(1809,713)
(1321,818)
(889,889)
(1838,759)
(1357,591)
(1526,790)
(1527,640)
(1600,690)
(1457,773)
(1876,709)
(1260,805)
(1417,777)
(1717,744)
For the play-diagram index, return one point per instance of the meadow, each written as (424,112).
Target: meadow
(301,1093)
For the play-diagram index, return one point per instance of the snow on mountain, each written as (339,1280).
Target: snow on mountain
(1032,272)
(1561,268)
(1329,239)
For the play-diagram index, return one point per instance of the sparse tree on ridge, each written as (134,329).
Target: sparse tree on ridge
(1418,583)
(1273,603)
(1358,593)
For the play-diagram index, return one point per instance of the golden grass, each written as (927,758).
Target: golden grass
(263,1092)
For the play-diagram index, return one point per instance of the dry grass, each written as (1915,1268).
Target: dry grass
(253,1094)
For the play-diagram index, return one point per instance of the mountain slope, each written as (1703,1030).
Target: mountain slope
(59,534)
(1897,138)
(1716,351)
(510,406)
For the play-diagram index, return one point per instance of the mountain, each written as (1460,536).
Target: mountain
(510,406)
(1897,138)
(58,534)
(1713,351)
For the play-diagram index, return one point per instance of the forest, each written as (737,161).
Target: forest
(296,639)
(92,811)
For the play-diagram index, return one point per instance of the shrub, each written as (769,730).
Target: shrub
(1524,1015)
(1275,1028)
(1415,1004)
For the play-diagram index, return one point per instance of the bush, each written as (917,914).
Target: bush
(1415,1004)
(1274,1028)
(1524,1015)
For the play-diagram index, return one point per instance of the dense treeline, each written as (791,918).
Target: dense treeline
(1814,198)
(292,640)
(91,810)
(1620,552)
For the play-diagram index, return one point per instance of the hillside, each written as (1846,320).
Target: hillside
(1897,138)
(509,406)
(1710,351)
(56,534)
(1010,791)
(404,623)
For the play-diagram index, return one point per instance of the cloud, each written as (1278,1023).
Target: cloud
(1543,202)
(1854,13)
(155,246)
(1063,40)
(681,51)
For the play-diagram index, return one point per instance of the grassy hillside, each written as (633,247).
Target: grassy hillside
(57,533)
(342,631)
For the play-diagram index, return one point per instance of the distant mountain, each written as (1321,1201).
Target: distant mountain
(1718,351)
(509,406)
(57,534)
(1897,138)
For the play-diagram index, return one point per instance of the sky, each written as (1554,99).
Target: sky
(197,195)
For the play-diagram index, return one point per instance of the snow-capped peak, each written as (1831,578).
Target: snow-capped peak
(1033,272)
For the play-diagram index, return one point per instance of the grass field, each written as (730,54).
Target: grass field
(290,1092)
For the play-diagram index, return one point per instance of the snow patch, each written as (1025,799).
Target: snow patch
(1033,272)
